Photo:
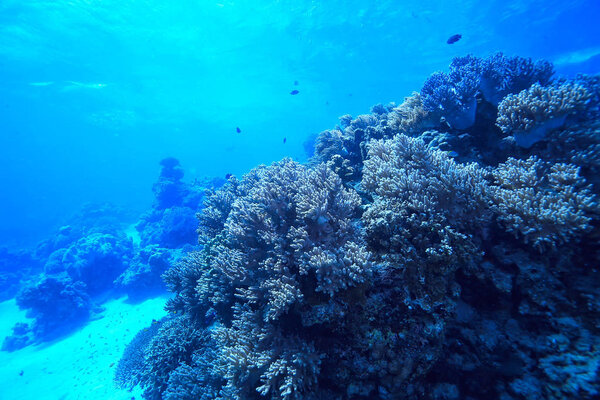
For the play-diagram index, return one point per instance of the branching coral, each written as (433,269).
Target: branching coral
(502,75)
(532,113)
(452,95)
(351,277)
(406,170)
(424,208)
(172,346)
(452,99)
(130,366)
(410,117)
(288,242)
(344,148)
(544,204)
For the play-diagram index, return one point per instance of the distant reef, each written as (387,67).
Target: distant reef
(444,248)
(64,281)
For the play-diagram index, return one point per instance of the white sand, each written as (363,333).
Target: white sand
(80,366)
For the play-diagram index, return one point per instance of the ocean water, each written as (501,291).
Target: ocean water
(116,116)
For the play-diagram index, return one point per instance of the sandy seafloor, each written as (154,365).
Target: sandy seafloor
(78,366)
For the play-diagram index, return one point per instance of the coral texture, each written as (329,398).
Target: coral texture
(532,113)
(544,204)
(422,254)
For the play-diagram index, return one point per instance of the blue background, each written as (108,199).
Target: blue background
(94,93)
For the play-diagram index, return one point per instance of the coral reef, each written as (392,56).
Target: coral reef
(502,75)
(95,260)
(453,95)
(532,113)
(96,256)
(56,303)
(16,266)
(424,253)
(171,223)
(142,278)
(544,204)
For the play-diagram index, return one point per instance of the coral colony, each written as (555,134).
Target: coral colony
(444,248)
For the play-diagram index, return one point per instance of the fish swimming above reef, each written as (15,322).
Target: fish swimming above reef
(238,130)
(294,92)
(454,38)
(284,140)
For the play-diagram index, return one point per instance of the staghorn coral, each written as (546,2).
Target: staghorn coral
(544,204)
(532,113)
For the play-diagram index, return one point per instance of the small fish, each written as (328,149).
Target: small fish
(284,140)
(453,153)
(454,38)
(227,176)
(238,130)
(295,83)
(21,373)
(294,92)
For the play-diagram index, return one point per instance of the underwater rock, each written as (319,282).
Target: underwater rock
(56,303)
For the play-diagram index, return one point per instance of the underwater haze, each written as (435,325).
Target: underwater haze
(95,93)
(299,200)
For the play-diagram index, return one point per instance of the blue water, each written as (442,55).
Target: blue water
(115,116)
(94,93)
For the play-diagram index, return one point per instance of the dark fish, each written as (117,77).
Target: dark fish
(284,140)
(295,83)
(21,373)
(454,38)
(227,176)
(237,129)
(294,92)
